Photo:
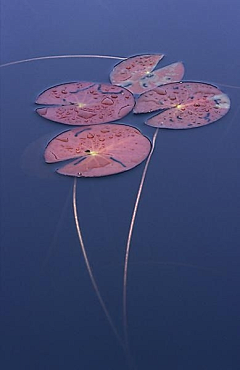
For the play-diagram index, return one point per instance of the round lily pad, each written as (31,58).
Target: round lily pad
(183,105)
(85,103)
(98,150)
(136,73)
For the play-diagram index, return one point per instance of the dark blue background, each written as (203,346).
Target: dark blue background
(184,274)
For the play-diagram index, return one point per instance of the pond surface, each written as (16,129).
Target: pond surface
(183,298)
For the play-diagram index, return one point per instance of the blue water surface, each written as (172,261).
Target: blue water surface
(184,271)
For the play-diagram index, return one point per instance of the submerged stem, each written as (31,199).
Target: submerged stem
(93,281)
(125,275)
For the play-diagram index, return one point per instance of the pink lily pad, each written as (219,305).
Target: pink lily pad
(85,103)
(134,68)
(98,150)
(184,105)
(136,73)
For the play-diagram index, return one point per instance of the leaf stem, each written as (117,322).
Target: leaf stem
(125,275)
(93,281)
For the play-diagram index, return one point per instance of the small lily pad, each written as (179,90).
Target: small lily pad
(136,73)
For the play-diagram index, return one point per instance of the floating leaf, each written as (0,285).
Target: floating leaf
(134,68)
(135,73)
(98,150)
(184,105)
(171,73)
(85,103)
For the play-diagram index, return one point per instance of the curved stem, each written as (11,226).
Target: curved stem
(125,275)
(61,57)
(93,281)
(225,85)
(47,57)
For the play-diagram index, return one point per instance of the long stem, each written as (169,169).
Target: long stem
(93,281)
(47,57)
(61,57)
(125,275)
(225,85)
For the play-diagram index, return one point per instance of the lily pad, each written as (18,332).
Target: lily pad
(85,103)
(136,73)
(98,150)
(183,105)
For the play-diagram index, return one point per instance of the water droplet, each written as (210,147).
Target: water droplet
(86,114)
(107,101)
(161,92)
(43,111)
(90,135)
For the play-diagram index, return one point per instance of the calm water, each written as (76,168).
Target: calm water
(183,291)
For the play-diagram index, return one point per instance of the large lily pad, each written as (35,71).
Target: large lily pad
(183,105)
(98,150)
(136,73)
(85,103)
